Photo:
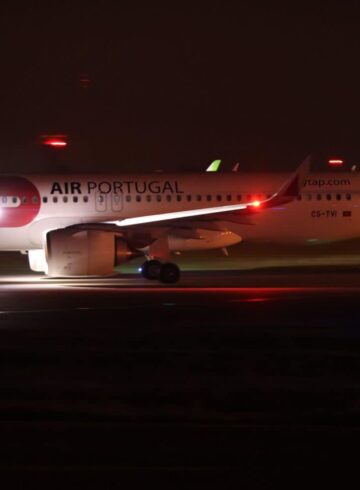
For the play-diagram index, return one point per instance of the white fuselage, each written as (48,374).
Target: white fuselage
(328,207)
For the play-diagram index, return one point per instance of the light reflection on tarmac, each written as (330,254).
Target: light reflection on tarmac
(222,372)
(35,293)
(290,278)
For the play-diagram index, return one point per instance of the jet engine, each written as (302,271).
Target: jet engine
(72,252)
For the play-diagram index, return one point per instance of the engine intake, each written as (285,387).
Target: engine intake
(72,252)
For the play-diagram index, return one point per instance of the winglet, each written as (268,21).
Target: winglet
(214,166)
(292,187)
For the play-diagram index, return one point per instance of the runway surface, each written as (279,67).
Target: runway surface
(223,380)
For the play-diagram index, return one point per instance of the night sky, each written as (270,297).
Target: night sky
(176,86)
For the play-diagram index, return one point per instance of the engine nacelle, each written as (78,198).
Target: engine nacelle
(80,253)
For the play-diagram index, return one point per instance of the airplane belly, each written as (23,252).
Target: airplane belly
(15,239)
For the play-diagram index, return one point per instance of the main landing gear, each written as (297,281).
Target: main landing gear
(167,273)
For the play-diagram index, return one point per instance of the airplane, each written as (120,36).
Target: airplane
(85,225)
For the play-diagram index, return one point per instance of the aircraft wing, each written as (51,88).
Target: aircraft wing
(142,230)
(287,193)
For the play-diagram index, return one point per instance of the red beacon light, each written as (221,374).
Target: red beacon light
(336,162)
(255,204)
(54,141)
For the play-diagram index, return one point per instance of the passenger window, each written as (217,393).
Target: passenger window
(35,199)
(198,197)
(55,199)
(338,197)
(178,198)
(45,199)
(189,197)
(24,200)
(4,199)
(14,200)
(238,197)
(158,198)
(128,198)
(318,197)
(86,198)
(348,196)
(138,198)
(148,198)
(228,197)
(309,197)
(208,197)
(328,197)
(168,197)
(219,197)
(75,198)
(65,199)
(101,198)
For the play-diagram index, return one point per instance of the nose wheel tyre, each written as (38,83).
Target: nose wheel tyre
(169,273)
(151,269)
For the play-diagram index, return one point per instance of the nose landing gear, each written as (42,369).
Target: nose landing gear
(167,273)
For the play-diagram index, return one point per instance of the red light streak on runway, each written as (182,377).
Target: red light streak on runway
(214,290)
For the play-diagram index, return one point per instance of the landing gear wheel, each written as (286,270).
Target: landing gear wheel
(169,273)
(151,269)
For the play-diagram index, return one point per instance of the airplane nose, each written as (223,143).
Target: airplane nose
(19,202)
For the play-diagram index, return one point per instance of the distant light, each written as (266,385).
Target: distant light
(54,141)
(84,80)
(335,162)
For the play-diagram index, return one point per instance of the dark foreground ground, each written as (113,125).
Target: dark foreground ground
(227,381)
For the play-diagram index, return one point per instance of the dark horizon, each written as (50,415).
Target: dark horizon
(175,87)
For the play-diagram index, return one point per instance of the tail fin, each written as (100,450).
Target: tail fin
(214,166)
